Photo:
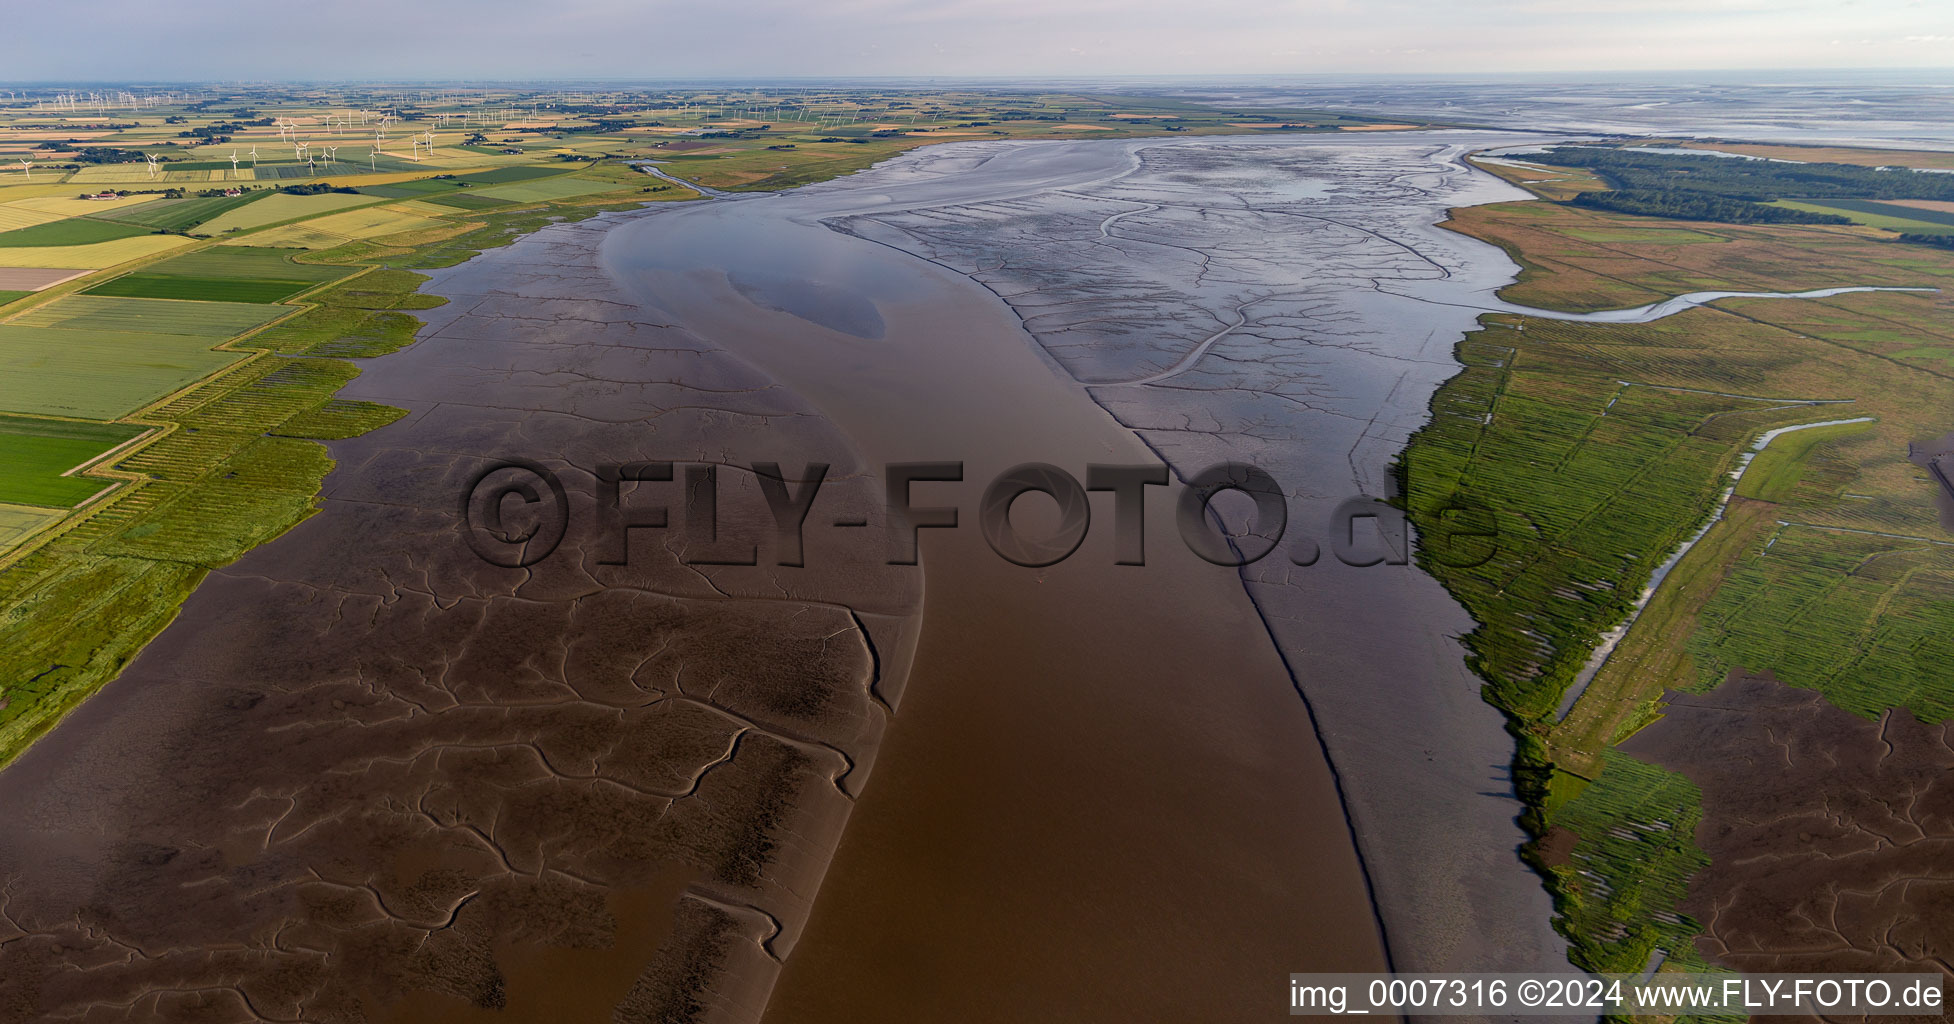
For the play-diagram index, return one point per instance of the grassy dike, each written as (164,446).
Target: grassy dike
(1594,451)
(234,462)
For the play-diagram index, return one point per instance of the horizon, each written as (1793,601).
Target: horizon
(596,39)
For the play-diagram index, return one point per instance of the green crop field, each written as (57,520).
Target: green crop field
(75,231)
(552,188)
(504,175)
(245,263)
(411,189)
(213,320)
(97,374)
(167,286)
(39,451)
(465,200)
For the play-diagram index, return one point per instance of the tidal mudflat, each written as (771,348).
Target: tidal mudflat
(1284,302)
(367,775)
(385,779)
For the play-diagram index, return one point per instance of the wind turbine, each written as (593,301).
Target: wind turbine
(254,154)
(151,157)
(373,157)
(26,167)
(233,163)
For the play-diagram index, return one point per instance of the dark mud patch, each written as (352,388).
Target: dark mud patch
(1831,837)
(1557,846)
(1937,458)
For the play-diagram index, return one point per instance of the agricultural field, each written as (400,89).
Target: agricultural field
(214,320)
(42,454)
(99,256)
(98,374)
(179,214)
(1599,451)
(223,274)
(277,209)
(76,231)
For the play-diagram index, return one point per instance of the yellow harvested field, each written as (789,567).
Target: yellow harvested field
(1376,127)
(338,229)
(91,257)
(13,218)
(425,209)
(1940,205)
(14,187)
(273,209)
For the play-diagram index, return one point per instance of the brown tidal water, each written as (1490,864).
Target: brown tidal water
(1102,794)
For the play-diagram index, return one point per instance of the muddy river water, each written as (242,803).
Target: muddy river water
(1286,303)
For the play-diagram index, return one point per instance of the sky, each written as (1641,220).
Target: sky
(203,40)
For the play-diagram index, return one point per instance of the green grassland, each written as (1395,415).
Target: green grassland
(40,452)
(1827,567)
